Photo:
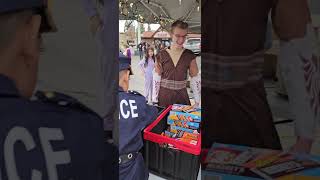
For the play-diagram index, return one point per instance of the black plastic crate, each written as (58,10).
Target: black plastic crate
(169,163)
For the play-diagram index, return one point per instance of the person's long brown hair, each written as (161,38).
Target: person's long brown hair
(147,56)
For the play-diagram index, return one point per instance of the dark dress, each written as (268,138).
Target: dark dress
(235,108)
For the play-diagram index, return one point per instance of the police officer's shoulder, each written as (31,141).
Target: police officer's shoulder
(136,93)
(60,100)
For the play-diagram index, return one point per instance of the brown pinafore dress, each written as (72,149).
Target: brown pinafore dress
(235,110)
(173,89)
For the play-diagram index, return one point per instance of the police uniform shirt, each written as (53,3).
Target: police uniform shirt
(134,116)
(54,137)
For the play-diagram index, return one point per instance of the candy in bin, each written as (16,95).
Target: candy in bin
(169,148)
(184,124)
(184,117)
(190,141)
(192,136)
(175,129)
(169,134)
(184,108)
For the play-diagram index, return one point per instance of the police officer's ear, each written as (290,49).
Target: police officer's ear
(27,67)
(127,75)
(31,39)
(124,75)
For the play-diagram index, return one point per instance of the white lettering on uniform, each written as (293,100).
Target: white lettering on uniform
(126,116)
(14,135)
(133,107)
(53,158)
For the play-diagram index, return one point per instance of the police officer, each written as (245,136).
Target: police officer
(134,116)
(52,136)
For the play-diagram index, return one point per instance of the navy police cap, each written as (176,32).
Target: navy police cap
(124,63)
(38,6)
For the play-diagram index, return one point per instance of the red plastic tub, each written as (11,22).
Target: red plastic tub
(157,138)
(182,163)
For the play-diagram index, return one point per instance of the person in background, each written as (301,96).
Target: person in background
(127,51)
(171,69)
(144,47)
(140,48)
(134,116)
(147,66)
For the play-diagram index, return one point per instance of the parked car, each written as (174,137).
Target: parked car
(193,44)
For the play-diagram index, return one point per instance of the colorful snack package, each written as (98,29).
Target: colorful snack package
(176,128)
(184,108)
(192,136)
(184,124)
(190,141)
(184,117)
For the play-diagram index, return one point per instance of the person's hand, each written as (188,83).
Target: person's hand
(95,24)
(197,105)
(302,146)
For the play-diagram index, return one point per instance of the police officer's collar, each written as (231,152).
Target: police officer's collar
(7,87)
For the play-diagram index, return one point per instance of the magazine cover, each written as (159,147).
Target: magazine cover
(230,154)
(231,169)
(286,164)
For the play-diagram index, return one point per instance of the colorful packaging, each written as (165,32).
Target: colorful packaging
(190,141)
(264,159)
(230,169)
(169,134)
(192,136)
(285,165)
(175,129)
(184,108)
(184,117)
(241,162)
(184,124)
(181,134)
(222,155)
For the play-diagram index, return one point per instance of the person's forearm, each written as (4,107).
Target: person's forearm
(301,75)
(90,8)
(195,82)
(292,23)
(155,86)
